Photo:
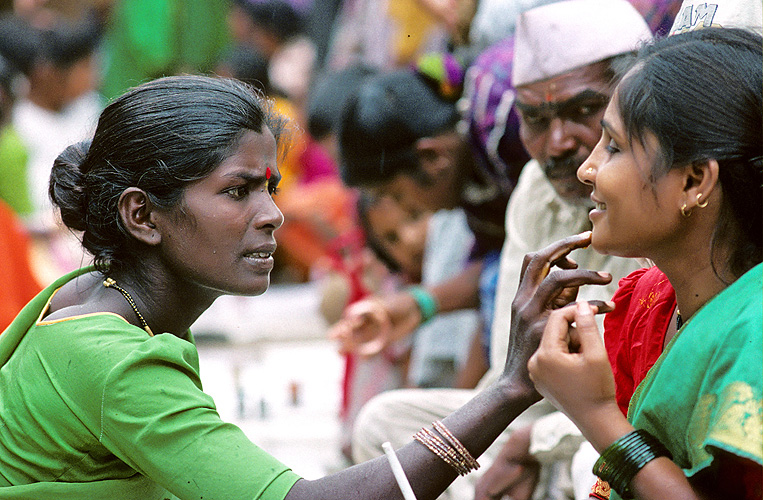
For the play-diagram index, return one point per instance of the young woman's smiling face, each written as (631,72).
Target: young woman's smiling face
(635,214)
(220,237)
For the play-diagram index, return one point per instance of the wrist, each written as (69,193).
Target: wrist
(517,391)
(425,301)
(603,425)
(622,460)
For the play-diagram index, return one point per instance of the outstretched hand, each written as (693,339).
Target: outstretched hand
(571,368)
(370,325)
(543,289)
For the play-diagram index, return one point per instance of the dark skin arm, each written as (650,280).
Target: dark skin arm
(481,420)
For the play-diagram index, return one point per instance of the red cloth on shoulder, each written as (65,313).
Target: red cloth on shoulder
(634,333)
(18,284)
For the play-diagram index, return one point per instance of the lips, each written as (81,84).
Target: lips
(258,255)
(261,252)
(598,205)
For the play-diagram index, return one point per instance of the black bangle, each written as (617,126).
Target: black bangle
(622,460)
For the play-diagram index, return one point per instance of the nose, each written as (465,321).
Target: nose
(587,171)
(560,139)
(269,216)
(412,236)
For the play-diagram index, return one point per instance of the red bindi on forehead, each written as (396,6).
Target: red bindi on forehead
(267,173)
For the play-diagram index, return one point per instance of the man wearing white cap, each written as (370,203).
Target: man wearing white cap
(563,73)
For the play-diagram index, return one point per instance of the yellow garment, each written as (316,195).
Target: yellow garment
(414,27)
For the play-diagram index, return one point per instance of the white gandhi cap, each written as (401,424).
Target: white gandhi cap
(559,37)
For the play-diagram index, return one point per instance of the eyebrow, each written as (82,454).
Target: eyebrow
(610,129)
(253,179)
(581,98)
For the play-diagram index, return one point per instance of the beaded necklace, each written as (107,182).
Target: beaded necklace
(110,283)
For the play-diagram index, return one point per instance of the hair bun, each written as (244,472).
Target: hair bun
(67,189)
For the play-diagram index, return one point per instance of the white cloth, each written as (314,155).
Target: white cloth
(441,346)
(536,217)
(695,14)
(45,135)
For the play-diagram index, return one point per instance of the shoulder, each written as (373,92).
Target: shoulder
(531,179)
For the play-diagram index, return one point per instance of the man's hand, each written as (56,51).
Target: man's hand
(514,472)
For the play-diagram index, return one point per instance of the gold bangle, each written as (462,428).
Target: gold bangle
(440,449)
(460,448)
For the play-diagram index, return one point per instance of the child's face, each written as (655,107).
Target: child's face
(402,234)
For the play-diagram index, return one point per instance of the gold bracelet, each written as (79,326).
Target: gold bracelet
(449,449)
(471,462)
(440,449)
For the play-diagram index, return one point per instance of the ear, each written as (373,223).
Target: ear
(136,212)
(433,155)
(701,182)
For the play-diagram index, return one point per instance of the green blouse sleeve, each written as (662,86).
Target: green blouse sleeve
(155,417)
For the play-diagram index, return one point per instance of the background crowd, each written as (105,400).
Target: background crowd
(408,189)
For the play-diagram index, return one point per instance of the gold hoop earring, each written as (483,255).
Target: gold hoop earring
(701,205)
(683,211)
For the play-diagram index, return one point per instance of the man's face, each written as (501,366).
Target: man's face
(561,124)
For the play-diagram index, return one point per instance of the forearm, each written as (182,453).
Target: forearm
(476,425)
(657,477)
(459,292)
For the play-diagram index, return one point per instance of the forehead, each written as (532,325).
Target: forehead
(594,77)
(255,151)
(385,213)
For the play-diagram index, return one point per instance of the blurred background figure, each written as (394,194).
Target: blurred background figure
(56,103)
(277,30)
(17,282)
(146,39)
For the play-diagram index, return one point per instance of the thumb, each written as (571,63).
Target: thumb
(586,328)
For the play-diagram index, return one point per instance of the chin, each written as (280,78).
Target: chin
(252,289)
(599,243)
(605,247)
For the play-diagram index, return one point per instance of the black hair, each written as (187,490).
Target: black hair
(381,123)
(328,95)
(277,17)
(159,137)
(250,66)
(699,93)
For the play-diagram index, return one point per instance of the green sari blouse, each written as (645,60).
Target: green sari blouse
(704,392)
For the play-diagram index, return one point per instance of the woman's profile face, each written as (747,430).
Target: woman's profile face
(220,237)
(634,215)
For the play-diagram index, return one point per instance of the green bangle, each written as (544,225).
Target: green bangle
(425,301)
(622,460)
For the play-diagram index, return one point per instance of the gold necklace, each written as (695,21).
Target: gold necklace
(110,283)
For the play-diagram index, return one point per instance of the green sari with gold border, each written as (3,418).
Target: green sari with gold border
(704,392)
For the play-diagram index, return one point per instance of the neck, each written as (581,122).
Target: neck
(695,276)
(167,306)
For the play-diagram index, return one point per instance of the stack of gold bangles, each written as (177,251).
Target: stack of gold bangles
(445,445)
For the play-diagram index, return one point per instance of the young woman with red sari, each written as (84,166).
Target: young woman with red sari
(677,178)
